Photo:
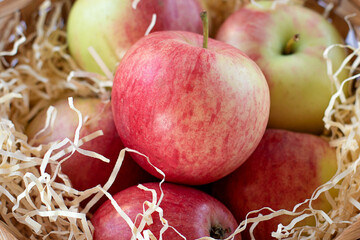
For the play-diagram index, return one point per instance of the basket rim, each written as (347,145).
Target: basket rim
(10,6)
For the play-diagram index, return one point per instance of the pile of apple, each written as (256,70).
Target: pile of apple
(232,121)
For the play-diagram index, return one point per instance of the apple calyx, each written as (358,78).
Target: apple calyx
(205,21)
(289,47)
(218,232)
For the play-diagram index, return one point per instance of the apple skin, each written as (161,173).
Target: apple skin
(190,211)
(85,172)
(196,113)
(300,88)
(112,26)
(284,170)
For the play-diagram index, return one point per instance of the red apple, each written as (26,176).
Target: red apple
(284,170)
(191,212)
(296,70)
(197,113)
(112,26)
(83,171)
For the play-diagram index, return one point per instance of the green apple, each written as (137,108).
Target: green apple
(296,71)
(110,27)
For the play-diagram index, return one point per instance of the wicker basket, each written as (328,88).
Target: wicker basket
(338,9)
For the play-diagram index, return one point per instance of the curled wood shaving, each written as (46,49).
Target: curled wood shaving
(35,71)
(151,26)
(135,3)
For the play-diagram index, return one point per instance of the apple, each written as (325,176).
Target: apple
(112,26)
(296,71)
(284,170)
(219,11)
(196,112)
(193,213)
(85,172)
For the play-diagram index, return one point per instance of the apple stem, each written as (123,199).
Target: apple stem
(205,21)
(289,48)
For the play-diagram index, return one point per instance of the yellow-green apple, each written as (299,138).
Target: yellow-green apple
(193,213)
(284,170)
(296,71)
(85,172)
(112,26)
(197,113)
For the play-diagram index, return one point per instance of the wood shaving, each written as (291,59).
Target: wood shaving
(151,26)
